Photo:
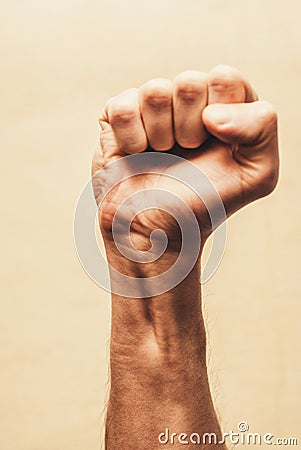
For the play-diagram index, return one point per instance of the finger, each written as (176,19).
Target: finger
(155,98)
(251,126)
(228,85)
(124,117)
(189,100)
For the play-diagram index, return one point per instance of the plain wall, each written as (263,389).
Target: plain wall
(60,61)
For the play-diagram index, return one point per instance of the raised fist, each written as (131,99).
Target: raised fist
(213,120)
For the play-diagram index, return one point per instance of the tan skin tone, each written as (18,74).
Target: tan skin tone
(158,345)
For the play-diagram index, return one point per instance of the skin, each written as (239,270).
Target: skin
(158,344)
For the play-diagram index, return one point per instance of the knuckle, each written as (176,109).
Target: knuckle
(268,115)
(157,94)
(190,84)
(225,78)
(157,100)
(121,114)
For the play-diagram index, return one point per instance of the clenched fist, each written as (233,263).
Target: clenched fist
(171,154)
(213,120)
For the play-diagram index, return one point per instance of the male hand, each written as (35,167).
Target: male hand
(158,341)
(213,120)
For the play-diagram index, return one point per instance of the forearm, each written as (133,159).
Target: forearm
(158,346)
(158,365)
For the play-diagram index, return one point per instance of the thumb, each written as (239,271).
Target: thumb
(251,126)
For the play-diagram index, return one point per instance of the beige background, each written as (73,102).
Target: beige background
(60,60)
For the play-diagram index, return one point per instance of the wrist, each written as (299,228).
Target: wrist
(164,327)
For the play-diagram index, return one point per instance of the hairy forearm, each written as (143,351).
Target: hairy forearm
(158,364)
(211,149)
